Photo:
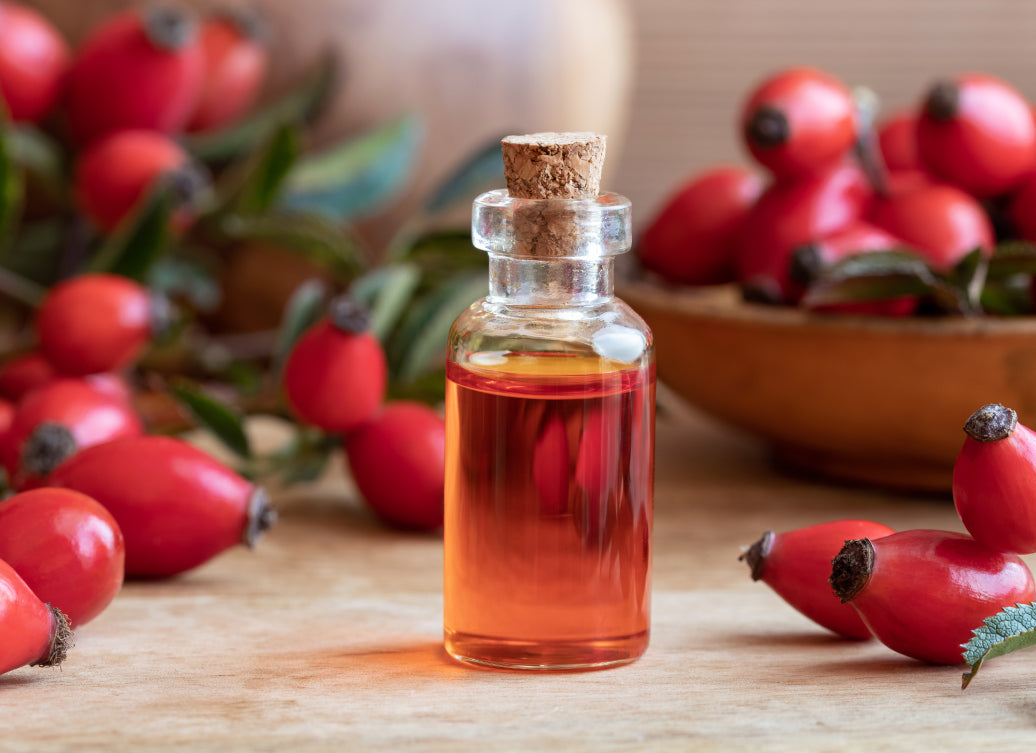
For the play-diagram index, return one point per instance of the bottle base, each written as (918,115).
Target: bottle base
(545,656)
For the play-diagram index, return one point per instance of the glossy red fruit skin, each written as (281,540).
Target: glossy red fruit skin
(940,222)
(27,625)
(790,214)
(177,507)
(796,565)
(398,463)
(994,490)
(116,172)
(335,379)
(91,416)
(34,58)
(987,145)
(66,547)
(930,589)
(24,373)
(897,140)
(236,63)
(1021,209)
(820,118)
(120,79)
(94,323)
(691,241)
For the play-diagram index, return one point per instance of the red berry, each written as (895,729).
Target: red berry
(57,420)
(994,480)
(336,375)
(977,132)
(796,564)
(691,241)
(788,215)
(94,323)
(33,60)
(177,507)
(940,222)
(116,172)
(236,61)
(138,69)
(66,547)
(897,139)
(922,592)
(397,461)
(1021,209)
(800,121)
(24,373)
(31,632)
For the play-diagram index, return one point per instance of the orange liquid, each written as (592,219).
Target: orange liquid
(549,477)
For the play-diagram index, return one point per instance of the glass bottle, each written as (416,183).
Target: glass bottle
(549,444)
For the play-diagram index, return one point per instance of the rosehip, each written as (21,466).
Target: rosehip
(57,420)
(33,60)
(177,507)
(977,132)
(691,241)
(550,472)
(138,69)
(940,222)
(897,139)
(336,375)
(922,592)
(31,632)
(788,215)
(235,67)
(115,174)
(95,322)
(398,463)
(24,373)
(1021,209)
(796,564)
(66,547)
(799,121)
(994,480)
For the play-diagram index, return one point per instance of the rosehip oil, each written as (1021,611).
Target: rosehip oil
(549,427)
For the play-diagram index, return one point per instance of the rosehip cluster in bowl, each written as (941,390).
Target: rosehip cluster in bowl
(932,188)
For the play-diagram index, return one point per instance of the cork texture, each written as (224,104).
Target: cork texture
(554,165)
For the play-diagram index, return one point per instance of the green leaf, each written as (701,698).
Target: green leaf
(1012,258)
(386,292)
(446,251)
(1008,630)
(303,309)
(188,277)
(40,156)
(1010,296)
(12,190)
(969,277)
(223,421)
(254,187)
(481,171)
(299,106)
(140,239)
(356,176)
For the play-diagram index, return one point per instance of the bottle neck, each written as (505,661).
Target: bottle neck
(555,282)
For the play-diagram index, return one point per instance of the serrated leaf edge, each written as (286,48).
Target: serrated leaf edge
(999,634)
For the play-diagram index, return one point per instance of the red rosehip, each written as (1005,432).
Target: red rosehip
(796,565)
(977,132)
(809,260)
(788,215)
(691,241)
(922,592)
(942,223)
(550,466)
(1021,209)
(398,463)
(116,172)
(57,420)
(236,61)
(336,375)
(24,373)
(994,480)
(800,121)
(66,547)
(33,60)
(139,69)
(31,632)
(94,323)
(897,139)
(177,507)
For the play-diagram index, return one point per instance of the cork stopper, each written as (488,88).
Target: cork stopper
(554,165)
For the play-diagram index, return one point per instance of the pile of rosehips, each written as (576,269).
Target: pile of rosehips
(923,592)
(935,184)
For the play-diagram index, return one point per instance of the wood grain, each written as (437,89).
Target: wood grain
(327,637)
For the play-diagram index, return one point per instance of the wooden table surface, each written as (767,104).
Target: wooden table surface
(328,637)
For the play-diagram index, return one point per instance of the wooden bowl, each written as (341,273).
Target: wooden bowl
(868,400)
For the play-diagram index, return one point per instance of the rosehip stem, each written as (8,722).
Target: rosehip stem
(261,516)
(755,555)
(943,101)
(991,423)
(851,569)
(168,28)
(61,640)
(867,151)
